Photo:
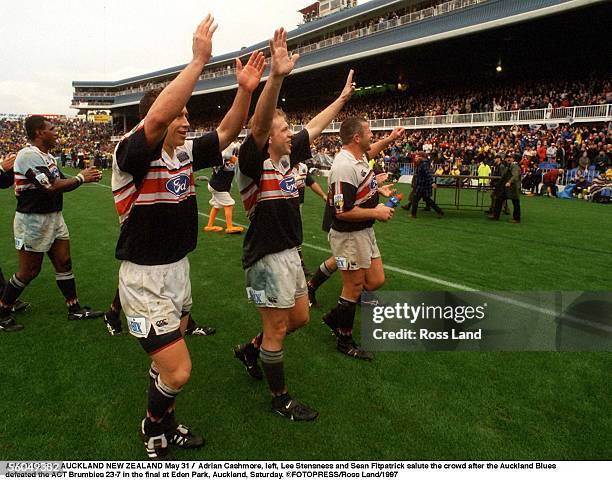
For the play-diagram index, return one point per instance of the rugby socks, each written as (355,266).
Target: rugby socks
(153,372)
(257,340)
(344,316)
(13,289)
(66,283)
(2,283)
(274,369)
(115,307)
(323,273)
(191,324)
(160,405)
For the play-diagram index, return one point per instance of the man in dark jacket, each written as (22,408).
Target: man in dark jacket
(423,187)
(511,185)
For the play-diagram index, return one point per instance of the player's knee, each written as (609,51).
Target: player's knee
(276,332)
(180,376)
(375,283)
(29,273)
(300,319)
(353,289)
(67,265)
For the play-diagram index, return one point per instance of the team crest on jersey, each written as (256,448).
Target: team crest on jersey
(178,185)
(182,156)
(288,185)
(373,183)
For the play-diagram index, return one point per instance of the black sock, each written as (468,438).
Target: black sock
(345,316)
(160,403)
(273,367)
(66,283)
(323,273)
(115,308)
(257,340)
(13,289)
(191,324)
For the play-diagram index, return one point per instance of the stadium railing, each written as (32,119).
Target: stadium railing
(550,117)
(563,115)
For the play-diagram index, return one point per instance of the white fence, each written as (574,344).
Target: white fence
(563,115)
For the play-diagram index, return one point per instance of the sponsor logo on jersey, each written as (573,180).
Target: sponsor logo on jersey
(178,185)
(339,202)
(288,185)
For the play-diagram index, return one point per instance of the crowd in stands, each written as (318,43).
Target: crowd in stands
(79,142)
(502,96)
(577,154)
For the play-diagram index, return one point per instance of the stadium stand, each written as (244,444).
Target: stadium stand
(79,140)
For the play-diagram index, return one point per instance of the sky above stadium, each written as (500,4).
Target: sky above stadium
(47,45)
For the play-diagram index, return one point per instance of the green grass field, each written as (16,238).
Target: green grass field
(69,391)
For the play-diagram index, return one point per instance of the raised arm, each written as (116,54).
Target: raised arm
(281,66)
(174,97)
(324,118)
(248,79)
(383,143)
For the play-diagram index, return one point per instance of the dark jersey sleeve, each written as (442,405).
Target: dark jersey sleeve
(300,148)
(251,159)
(206,151)
(343,196)
(134,155)
(6,179)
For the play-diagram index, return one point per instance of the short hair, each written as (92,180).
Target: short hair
(278,112)
(147,100)
(34,123)
(350,127)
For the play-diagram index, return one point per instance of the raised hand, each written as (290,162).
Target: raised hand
(202,39)
(349,87)
(397,133)
(249,76)
(8,162)
(282,65)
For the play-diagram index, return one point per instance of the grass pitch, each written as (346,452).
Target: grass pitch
(69,391)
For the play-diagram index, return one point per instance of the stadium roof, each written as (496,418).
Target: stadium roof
(302,30)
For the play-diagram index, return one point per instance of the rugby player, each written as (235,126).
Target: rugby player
(353,198)
(328,266)
(274,277)
(39,225)
(154,190)
(7,177)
